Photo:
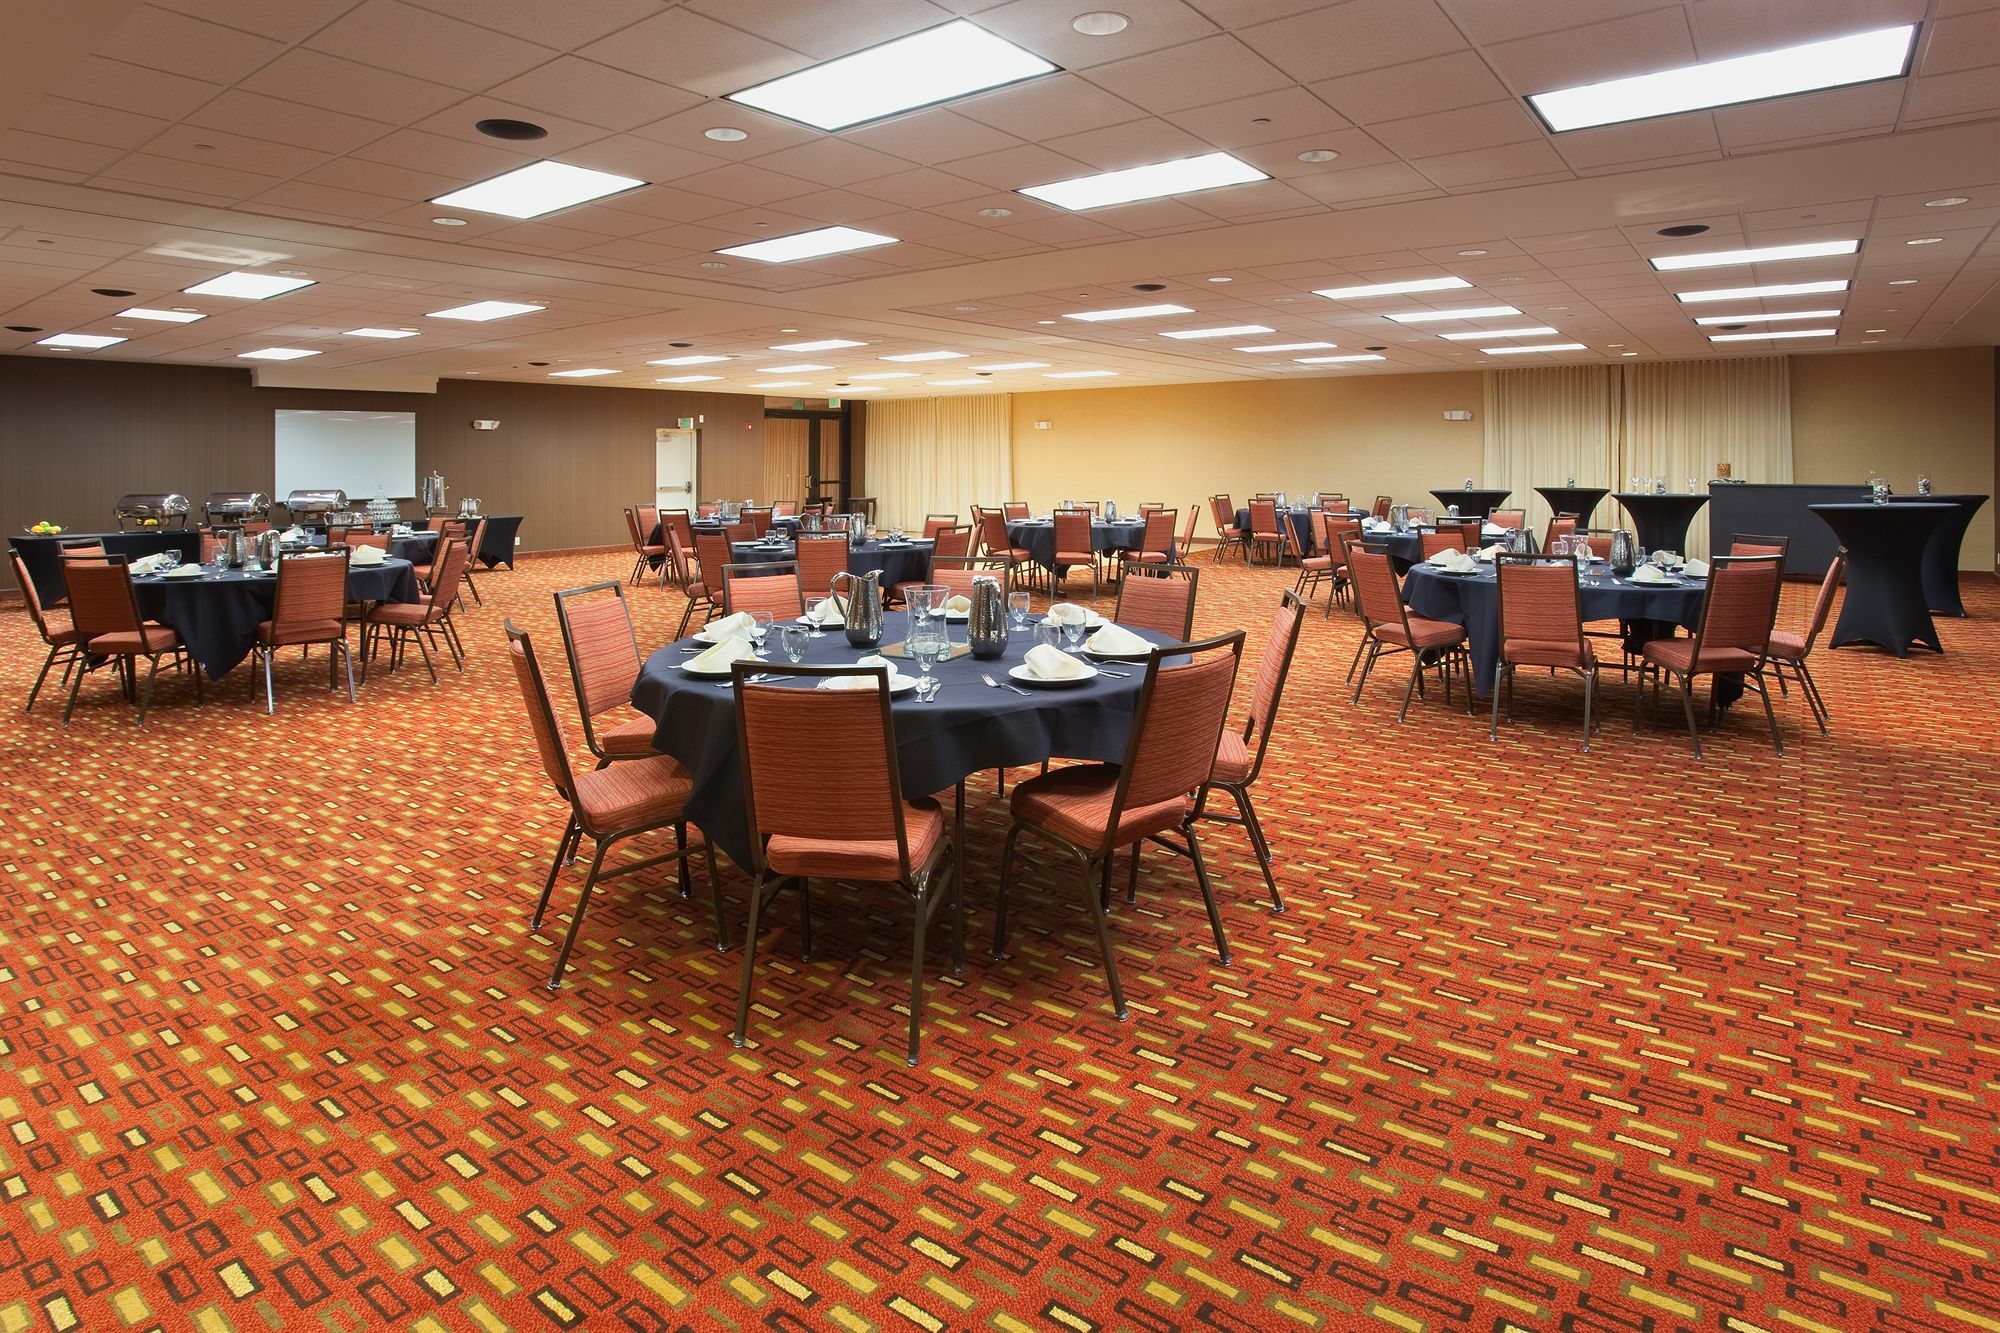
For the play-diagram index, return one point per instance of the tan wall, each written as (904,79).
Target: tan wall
(1903,413)
(1182,443)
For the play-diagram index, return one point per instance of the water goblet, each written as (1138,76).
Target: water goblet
(760,628)
(1073,633)
(794,638)
(1018,604)
(1049,634)
(918,600)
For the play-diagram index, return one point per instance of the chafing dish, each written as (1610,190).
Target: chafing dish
(229,508)
(147,510)
(312,504)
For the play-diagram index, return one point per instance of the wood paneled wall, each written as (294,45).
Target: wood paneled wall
(77,434)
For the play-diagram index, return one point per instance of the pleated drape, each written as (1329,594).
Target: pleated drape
(786,444)
(938,455)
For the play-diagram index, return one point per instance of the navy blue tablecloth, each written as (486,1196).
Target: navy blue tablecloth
(43,555)
(1940,559)
(1885,603)
(1476,502)
(1301,518)
(217,615)
(1038,538)
(909,563)
(967,728)
(417,548)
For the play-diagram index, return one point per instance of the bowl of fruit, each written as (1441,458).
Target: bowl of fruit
(46,529)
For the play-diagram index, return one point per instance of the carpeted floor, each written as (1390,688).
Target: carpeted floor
(1547,1041)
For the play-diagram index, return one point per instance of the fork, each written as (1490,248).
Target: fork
(998,686)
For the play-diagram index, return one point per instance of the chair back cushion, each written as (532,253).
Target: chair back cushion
(993,528)
(1538,600)
(740,531)
(648,519)
(1264,517)
(1159,538)
(1163,605)
(1187,529)
(447,572)
(378,540)
(676,521)
(1072,532)
(1277,660)
(1508,518)
(760,520)
(936,523)
(1742,603)
(773,587)
(713,548)
(1445,539)
(550,744)
(1222,511)
(951,543)
(1823,603)
(1375,587)
(29,596)
(310,588)
(603,651)
(1174,739)
(820,559)
(1014,510)
(784,726)
(100,596)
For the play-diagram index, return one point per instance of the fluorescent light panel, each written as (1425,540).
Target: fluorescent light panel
(1469,312)
(937,65)
(536,189)
(926,356)
(1862,57)
(1362,293)
(1337,360)
(887,375)
(1287,347)
(1130,312)
(481,311)
(248,286)
(688,379)
(823,345)
(688,361)
(381,333)
(1155,181)
(1769,334)
(781,384)
(1768,319)
(951,384)
(590,372)
(1537,347)
(81,341)
(1228,331)
(164,316)
(1768,254)
(803,368)
(277,354)
(1539,331)
(1760,293)
(809,245)
(1078,374)
(1013,365)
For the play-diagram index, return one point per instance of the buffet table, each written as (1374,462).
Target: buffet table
(43,555)
(1779,511)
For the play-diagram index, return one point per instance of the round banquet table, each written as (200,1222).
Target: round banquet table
(1941,551)
(789,522)
(217,614)
(1037,536)
(1578,500)
(43,555)
(417,548)
(908,563)
(1885,602)
(967,728)
(1661,521)
(1476,502)
(1473,600)
(1301,517)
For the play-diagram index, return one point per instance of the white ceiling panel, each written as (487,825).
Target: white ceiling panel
(427,45)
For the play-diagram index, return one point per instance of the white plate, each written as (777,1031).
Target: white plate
(1027,677)
(810,623)
(710,672)
(1091,620)
(701,636)
(898,684)
(1088,651)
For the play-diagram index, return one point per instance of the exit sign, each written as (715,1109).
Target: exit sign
(687,423)
(833,402)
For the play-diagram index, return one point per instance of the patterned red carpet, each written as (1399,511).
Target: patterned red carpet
(1548,1041)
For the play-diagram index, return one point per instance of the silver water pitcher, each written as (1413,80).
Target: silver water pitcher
(232,547)
(986,626)
(863,604)
(1399,517)
(266,548)
(1624,553)
(857,532)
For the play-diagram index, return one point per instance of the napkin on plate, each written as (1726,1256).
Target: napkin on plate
(1490,553)
(1374,524)
(863,682)
(145,564)
(1117,641)
(366,555)
(958,604)
(1454,561)
(295,533)
(1046,663)
(1064,613)
(729,627)
(183,572)
(827,611)
(719,657)
(1648,574)
(1695,569)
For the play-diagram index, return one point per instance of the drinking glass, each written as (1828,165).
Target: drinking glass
(169,560)
(1073,633)
(1560,547)
(760,627)
(927,643)
(1049,634)
(1018,606)
(795,638)
(918,600)
(937,595)
(895,532)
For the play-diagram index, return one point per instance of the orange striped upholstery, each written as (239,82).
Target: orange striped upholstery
(1165,606)
(785,508)
(1738,611)
(777,593)
(631,735)
(1074,803)
(1187,531)
(960,577)
(1741,547)
(821,559)
(850,858)
(1417,632)
(278,635)
(1678,655)
(1232,757)
(312,589)
(759,520)
(993,527)
(54,629)
(1558,528)
(1375,588)
(1224,514)
(1158,542)
(740,532)
(1449,539)
(1383,504)
(646,517)
(550,743)
(1176,745)
(641,791)
(100,599)
(936,523)
(1014,510)
(1508,518)
(602,646)
(713,548)
(682,530)
(436,524)
(1072,539)
(1271,669)
(1539,612)
(148,638)
(378,540)
(795,800)
(951,543)
(1264,521)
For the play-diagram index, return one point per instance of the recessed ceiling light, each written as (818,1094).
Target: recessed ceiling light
(1287,347)
(1050,321)
(996,212)
(112,291)
(1078,374)
(688,379)
(804,368)
(1156,180)
(781,384)
(888,375)
(1012,365)
(277,354)
(1470,254)
(1367,290)
(1902,282)
(1318,155)
(926,356)
(1540,330)
(588,373)
(380,333)
(1535,347)
(82,341)
(1337,360)
(1467,312)
(1100,23)
(1759,293)
(1222,279)
(450,222)
(481,311)
(951,384)
(164,316)
(923,69)
(248,286)
(1628,354)
(1227,331)
(713,263)
(1924,240)
(499,127)
(822,345)
(1762,255)
(965,309)
(1861,57)
(809,245)
(537,189)
(1130,312)
(1874,330)
(688,361)
(725,134)
(1952,201)
(1758,319)
(1770,333)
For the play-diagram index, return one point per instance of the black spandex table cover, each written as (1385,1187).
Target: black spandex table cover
(1038,537)
(1473,600)
(1661,521)
(1941,551)
(217,614)
(417,548)
(909,563)
(43,555)
(1479,501)
(1302,523)
(1885,602)
(1780,509)
(1578,500)
(966,729)
(497,546)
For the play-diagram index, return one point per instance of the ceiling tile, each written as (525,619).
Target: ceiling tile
(1051,106)
(162,39)
(167,172)
(257,116)
(1457,131)
(1727,29)
(1356,149)
(561,24)
(824,31)
(333,84)
(587,91)
(1657,39)
(289,22)
(924,187)
(1492,21)
(928,137)
(1132,144)
(1642,141)
(1942,97)
(1486,166)
(426,45)
(832,160)
(1346,39)
(1811,115)
(1366,184)
(1961,43)
(460,163)
(1015,168)
(1043,26)
(324,200)
(1242,13)
(1216,69)
(694,52)
(642,159)
(236,152)
(461,122)
(745,184)
(65,119)
(67,155)
(1283,113)
(134,88)
(1441,83)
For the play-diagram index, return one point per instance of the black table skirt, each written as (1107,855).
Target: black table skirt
(1039,539)
(1885,603)
(1940,562)
(43,555)
(417,548)
(1578,500)
(1661,521)
(1477,502)
(968,728)
(896,564)
(497,546)
(217,615)
(1301,519)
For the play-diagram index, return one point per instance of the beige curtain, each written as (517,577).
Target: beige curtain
(938,455)
(1544,426)
(786,445)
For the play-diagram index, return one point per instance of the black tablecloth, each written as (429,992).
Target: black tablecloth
(497,546)
(789,522)
(1039,538)
(1661,521)
(1473,600)
(217,614)
(1300,516)
(1885,603)
(910,563)
(43,555)
(417,548)
(1477,502)
(1941,551)
(967,728)
(1578,500)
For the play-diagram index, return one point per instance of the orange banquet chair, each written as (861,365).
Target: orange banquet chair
(677,532)
(993,532)
(1444,539)
(1236,763)
(1074,546)
(1508,518)
(104,611)
(772,587)
(1015,511)
(1734,636)
(1388,627)
(54,629)
(604,660)
(936,523)
(1264,529)
(1789,651)
(700,597)
(1223,511)
(644,551)
(1156,544)
(860,829)
(1560,526)
(1164,605)
(1541,625)
(1383,504)
(958,573)
(1092,811)
(820,560)
(606,804)
(948,544)
(311,608)
(423,623)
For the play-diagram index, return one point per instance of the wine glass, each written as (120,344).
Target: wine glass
(1049,634)
(927,643)
(1018,604)
(1073,633)
(760,628)
(794,638)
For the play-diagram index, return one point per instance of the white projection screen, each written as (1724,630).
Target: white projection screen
(365,454)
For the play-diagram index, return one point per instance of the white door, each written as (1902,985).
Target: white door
(675,458)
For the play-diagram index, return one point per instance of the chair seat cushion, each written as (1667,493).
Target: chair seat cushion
(1266,536)
(1787,645)
(400,613)
(1075,557)
(1422,633)
(696,591)
(626,735)
(59,630)
(1146,557)
(1232,758)
(148,638)
(1317,562)
(1548,653)
(1678,655)
(300,631)
(1074,803)
(869,859)
(639,792)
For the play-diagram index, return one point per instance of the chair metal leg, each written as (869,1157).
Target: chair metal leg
(1359,649)
(1499,675)
(1207,893)
(146,699)
(1416,670)
(423,648)
(570,834)
(270,698)
(1764,693)
(1687,707)
(1589,698)
(999,949)
(758,893)
(1810,688)
(576,921)
(1096,910)
(922,919)
(1254,827)
(715,895)
(805,919)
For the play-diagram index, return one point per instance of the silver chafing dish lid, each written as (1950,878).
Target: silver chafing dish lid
(317,501)
(149,504)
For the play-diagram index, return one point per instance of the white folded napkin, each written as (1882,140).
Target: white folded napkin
(1491,553)
(1648,574)
(828,611)
(1374,524)
(295,533)
(145,564)
(1117,641)
(1064,613)
(718,658)
(1449,558)
(366,555)
(957,604)
(735,626)
(1695,569)
(1048,663)
(183,572)
(863,682)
